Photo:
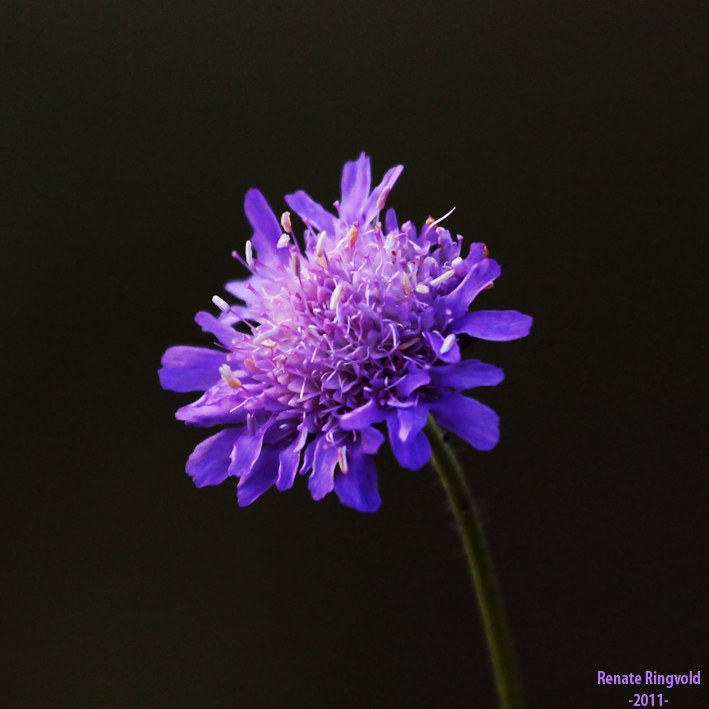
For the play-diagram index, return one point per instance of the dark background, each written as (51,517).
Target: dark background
(571,137)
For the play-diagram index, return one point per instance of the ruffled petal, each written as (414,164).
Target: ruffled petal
(190,368)
(381,191)
(412,454)
(358,487)
(411,382)
(392,226)
(322,480)
(262,476)
(267,230)
(411,420)
(498,325)
(308,457)
(356,181)
(212,408)
(246,452)
(209,462)
(288,461)
(479,276)
(466,375)
(371,439)
(209,323)
(469,419)
(452,351)
(362,417)
(311,212)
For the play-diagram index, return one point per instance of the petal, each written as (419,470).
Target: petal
(212,408)
(209,323)
(411,420)
(452,354)
(311,211)
(358,487)
(466,375)
(469,419)
(246,452)
(370,208)
(390,223)
(308,457)
(209,462)
(498,325)
(479,276)
(364,416)
(356,180)
(267,230)
(190,368)
(411,382)
(322,480)
(262,476)
(371,439)
(412,454)
(289,459)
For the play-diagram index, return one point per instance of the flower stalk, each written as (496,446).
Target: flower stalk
(499,643)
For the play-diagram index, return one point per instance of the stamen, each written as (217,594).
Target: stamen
(264,335)
(320,246)
(283,241)
(285,222)
(421,288)
(249,255)
(269,343)
(251,365)
(342,458)
(352,235)
(229,377)
(448,343)
(443,278)
(382,200)
(220,303)
(438,221)
(407,283)
(337,295)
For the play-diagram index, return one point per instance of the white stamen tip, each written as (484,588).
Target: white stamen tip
(285,222)
(407,283)
(229,377)
(249,255)
(264,335)
(448,343)
(342,458)
(337,295)
(283,241)
(220,303)
(421,288)
(443,278)
(320,246)
(456,262)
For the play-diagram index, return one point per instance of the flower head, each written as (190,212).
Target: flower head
(360,328)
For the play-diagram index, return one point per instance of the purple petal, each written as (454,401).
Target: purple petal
(451,355)
(267,230)
(412,454)
(262,476)
(466,375)
(499,325)
(469,419)
(411,382)
(479,276)
(212,408)
(362,417)
(371,439)
(392,226)
(190,368)
(411,420)
(308,457)
(382,190)
(358,487)
(356,181)
(209,463)
(322,480)
(209,323)
(246,453)
(311,211)
(288,461)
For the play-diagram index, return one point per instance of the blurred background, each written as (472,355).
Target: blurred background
(572,139)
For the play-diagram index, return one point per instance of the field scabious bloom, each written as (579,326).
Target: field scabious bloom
(358,329)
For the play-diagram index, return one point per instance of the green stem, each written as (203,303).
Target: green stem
(499,644)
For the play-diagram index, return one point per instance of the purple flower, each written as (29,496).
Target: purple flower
(361,328)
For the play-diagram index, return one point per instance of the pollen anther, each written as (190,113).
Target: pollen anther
(283,241)
(443,277)
(229,377)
